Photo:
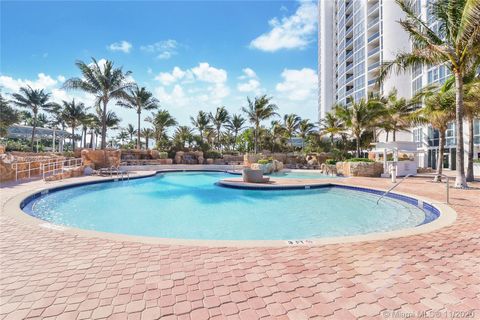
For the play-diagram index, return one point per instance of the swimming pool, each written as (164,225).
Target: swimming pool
(299,175)
(189,205)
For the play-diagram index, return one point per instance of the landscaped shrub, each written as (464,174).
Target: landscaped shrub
(476,160)
(330,161)
(163,155)
(263,161)
(212,154)
(360,160)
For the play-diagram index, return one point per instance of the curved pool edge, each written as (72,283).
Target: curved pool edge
(13,208)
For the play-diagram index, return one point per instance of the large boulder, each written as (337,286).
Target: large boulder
(266,168)
(360,169)
(101,158)
(277,165)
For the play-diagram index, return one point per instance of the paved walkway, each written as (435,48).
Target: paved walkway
(48,274)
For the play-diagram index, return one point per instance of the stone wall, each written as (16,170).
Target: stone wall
(24,161)
(360,169)
(190,157)
(101,158)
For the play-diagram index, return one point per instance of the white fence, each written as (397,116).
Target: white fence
(44,167)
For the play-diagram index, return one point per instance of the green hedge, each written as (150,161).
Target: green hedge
(263,161)
(163,155)
(359,160)
(212,154)
(330,161)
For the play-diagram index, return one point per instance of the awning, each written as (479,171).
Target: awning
(18,131)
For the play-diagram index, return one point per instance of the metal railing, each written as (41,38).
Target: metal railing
(410,175)
(60,166)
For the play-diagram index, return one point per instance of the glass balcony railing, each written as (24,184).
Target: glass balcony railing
(373,66)
(373,37)
(372,8)
(374,51)
(348,55)
(349,67)
(373,22)
(349,42)
(372,82)
(349,92)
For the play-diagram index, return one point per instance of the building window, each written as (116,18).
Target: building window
(433,137)
(416,85)
(418,136)
(450,135)
(476,131)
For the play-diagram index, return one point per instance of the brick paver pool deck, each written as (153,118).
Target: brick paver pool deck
(50,274)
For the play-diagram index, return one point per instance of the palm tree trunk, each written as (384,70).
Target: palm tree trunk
(138,132)
(394,136)
(441,151)
(91,140)
(470,177)
(103,144)
(73,138)
(85,137)
(358,146)
(33,130)
(387,136)
(255,133)
(146,142)
(460,180)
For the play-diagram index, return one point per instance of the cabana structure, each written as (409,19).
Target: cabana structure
(399,157)
(25,132)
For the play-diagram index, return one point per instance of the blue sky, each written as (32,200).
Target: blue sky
(194,55)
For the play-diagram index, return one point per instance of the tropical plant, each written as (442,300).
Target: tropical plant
(139,99)
(201,122)
(277,132)
(456,44)
(235,124)
(257,111)
(183,135)
(86,122)
(73,114)
(34,100)
(105,82)
(360,117)
(291,123)
(161,121)
(472,111)
(219,119)
(332,124)
(397,114)
(438,111)
(148,134)
(130,129)
(122,136)
(9,116)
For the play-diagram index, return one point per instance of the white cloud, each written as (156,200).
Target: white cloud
(252,85)
(175,98)
(298,85)
(163,49)
(42,82)
(123,46)
(248,73)
(293,32)
(168,78)
(207,73)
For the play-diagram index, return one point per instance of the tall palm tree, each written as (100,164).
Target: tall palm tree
(86,122)
(291,123)
(182,135)
(130,129)
(105,82)
(257,111)
(73,114)
(148,134)
(9,116)
(34,100)
(332,124)
(219,119)
(360,117)
(472,111)
(139,99)
(305,129)
(456,44)
(277,132)
(112,121)
(439,111)
(122,136)
(201,122)
(397,112)
(235,124)
(161,121)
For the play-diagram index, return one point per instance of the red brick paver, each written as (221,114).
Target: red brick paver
(48,273)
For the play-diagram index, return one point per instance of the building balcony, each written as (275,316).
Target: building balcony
(348,42)
(348,55)
(373,37)
(373,52)
(372,82)
(373,8)
(349,78)
(373,22)
(373,66)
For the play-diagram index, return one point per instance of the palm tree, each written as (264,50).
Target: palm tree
(235,124)
(112,120)
(148,134)
(86,122)
(219,119)
(201,122)
(305,129)
(472,111)
(131,131)
(73,114)
(360,117)
(182,135)
(139,99)
(291,123)
(277,132)
(161,121)
(439,111)
(332,124)
(34,100)
(456,44)
(105,82)
(397,112)
(9,116)
(257,111)
(122,136)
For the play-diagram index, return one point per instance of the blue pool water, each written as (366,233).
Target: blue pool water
(299,175)
(191,206)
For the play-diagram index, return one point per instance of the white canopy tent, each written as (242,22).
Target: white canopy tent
(19,131)
(407,165)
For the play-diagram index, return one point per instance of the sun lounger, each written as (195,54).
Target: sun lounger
(254,176)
